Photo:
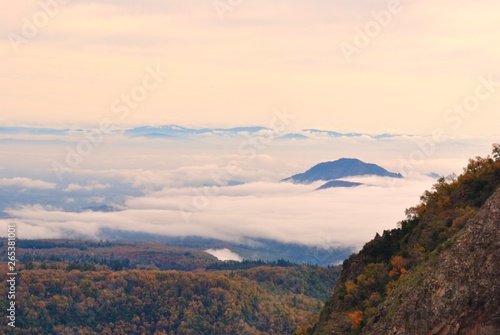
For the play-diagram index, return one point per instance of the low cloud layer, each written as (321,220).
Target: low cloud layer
(180,188)
(224,254)
(92,186)
(27,183)
(284,212)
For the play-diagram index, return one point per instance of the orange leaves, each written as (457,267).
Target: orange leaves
(398,267)
(202,302)
(398,262)
(351,291)
(397,272)
(356,318)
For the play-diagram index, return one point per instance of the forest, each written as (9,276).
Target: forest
(102,287)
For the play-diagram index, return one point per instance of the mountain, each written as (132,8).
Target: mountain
(458,290)
(338,183)
(33,131)
(435,274)
(167,131)
(344,167)
(332,133)
(292,136)
(173,131)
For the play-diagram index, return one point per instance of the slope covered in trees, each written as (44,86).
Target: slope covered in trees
(78,287)
(115,255)
(370,290)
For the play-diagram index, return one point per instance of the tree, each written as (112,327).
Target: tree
(356,318)
(496,152)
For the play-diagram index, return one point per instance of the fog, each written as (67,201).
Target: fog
(224,254)
(340,217)
(209,188)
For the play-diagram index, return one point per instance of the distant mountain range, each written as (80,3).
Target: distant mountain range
(34,131)
(342,168)
(175,131)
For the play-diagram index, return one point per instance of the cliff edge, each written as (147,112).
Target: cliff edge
(455,292)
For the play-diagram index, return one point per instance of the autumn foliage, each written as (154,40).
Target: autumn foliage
(75,287)
(356,318)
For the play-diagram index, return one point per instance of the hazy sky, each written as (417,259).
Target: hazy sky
(231,62)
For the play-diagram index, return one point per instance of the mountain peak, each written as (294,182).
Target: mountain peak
(341,168)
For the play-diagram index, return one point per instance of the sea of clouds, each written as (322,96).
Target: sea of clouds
(209,188)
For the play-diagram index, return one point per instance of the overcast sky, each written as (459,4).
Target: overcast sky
(232,62)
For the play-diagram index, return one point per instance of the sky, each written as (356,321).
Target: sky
(367,66)
(425,72)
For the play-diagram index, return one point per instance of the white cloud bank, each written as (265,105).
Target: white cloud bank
(27,183)
(341,217)
(92,186)
(161,182)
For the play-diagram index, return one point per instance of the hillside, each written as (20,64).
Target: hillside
(435,274)
(458,290)
(344,167)
(115,255)
(91,287)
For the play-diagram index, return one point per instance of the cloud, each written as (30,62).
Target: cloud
(166,188)
(27,183)
(280,211)
(92,186)
(224,254)
(99,200)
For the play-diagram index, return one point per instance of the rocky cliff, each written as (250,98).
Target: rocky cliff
(456,291)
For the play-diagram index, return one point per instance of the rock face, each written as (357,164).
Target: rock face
(456,292)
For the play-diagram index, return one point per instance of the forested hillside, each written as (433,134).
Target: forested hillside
(374,283)
(83,287)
